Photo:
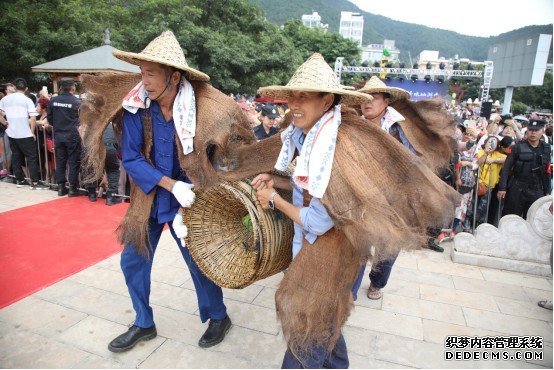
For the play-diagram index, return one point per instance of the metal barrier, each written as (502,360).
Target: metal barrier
(47,165)
(45,158)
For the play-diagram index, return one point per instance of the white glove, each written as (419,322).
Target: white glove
(180,229)
(183,193)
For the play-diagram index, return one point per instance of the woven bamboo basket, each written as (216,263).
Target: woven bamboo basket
(227,251)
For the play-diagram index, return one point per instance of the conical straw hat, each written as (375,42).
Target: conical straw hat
(315,75)
(375,85)
(164,49)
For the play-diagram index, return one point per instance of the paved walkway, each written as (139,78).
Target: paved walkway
(69,324)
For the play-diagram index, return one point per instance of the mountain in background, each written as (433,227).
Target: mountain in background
(409,37)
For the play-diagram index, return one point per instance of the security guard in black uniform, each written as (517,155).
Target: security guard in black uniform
(266,129)
(63,115)
(526,175)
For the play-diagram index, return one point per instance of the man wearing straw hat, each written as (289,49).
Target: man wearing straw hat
(313,94)
(380,112)
(159,120)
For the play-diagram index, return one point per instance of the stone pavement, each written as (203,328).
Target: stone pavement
(69,324)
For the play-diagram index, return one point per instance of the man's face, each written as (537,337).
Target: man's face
(376,107)
(154,78)
(534,135)
(308,107)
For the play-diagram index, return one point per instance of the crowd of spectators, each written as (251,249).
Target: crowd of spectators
(483,146)
(481,163)
(54,159)
(40,140)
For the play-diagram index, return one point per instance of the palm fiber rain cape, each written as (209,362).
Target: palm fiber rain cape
(379,194)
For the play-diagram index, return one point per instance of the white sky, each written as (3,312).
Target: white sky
(468,17)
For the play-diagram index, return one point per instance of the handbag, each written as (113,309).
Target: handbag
(482,189)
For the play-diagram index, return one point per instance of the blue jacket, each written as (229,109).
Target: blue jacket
(164,157)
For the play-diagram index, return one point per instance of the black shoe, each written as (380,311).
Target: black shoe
(215,333)
(62,190)
(39,186)
(92,196)
(128,340)
(73,191)
(431,244)
(20,184)
(112,200)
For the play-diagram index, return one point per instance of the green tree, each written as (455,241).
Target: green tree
(518,107)
(314,40)
(39,31)
(330,45)
(535,97)
(229,40)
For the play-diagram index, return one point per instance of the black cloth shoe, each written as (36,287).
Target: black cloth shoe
(112,200)
(92,196)
(62,190)
(128,340)
(431,244)
(217,329)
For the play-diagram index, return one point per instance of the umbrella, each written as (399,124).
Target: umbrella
(521,118)
(263,99)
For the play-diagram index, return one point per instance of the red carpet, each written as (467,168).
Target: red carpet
(45,243)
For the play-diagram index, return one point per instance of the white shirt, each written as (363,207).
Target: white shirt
(18,108)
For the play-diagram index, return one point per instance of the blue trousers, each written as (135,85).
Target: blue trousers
(319,358)
(137,270)
(379,275)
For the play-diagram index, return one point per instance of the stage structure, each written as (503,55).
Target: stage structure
(408,73)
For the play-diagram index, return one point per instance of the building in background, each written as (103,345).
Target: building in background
(313,21)
(432,57)
(352,26)
(377,52)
